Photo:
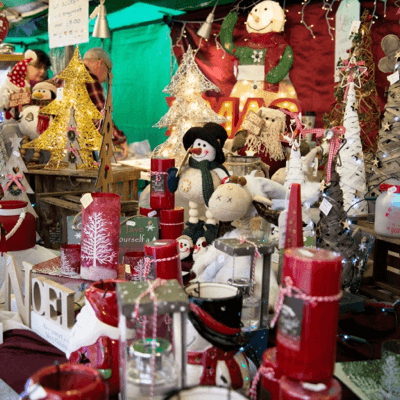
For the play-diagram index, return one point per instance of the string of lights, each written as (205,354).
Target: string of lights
(328,8)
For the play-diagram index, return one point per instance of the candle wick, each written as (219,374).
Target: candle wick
(58,378)
(102,283)
(105,292)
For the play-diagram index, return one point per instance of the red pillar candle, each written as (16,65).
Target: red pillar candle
(147,211)
(270,375)
(295,390)
(164,255)
(171,223)
(134,266)
(307,327)
(15,217)
(100,237)
(67,382)
(160,197)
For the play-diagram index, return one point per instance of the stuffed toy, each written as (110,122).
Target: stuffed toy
(43,93)
(260,137)
(198,179)
(17,79)
(185,246)
(199,248)
(264,57)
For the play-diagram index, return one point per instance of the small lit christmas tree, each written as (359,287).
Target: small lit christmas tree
(12,177)
(189,109)
(351,168)
(75,99)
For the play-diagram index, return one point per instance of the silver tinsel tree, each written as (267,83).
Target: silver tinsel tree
(189,109)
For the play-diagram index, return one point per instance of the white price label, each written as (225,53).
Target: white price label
(86,200)
(325,206)
(355,26)
(282,228)
(131,223)
(152,214)
(127,269)
(393,78)
(16,154)
(60,93)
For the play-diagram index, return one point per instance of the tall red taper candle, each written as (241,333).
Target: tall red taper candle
(306,333)
(160,197)
(294,224)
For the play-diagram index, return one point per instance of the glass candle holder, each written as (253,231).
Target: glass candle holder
(67,382)
(100,237)
(134,266)
(70,259)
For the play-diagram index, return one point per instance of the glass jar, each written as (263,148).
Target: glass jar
(387,211)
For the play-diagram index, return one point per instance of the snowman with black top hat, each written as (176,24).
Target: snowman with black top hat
(197,180)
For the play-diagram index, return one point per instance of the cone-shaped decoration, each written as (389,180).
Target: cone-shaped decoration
(101,29)
(294,226)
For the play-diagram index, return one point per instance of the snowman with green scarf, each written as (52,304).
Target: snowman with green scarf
(199,178)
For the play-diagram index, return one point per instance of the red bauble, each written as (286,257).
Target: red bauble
(4,26)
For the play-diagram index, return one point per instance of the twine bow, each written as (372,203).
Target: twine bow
(268,372)
(253,269)
(151,291)
(157,174)
(352,66)
(73,150)
(14,179)
(292,291)
(338,132)
(148,261)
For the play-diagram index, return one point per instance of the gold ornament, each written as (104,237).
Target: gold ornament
(75,99)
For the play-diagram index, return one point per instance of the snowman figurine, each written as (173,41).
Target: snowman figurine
(201,176)
(185,246)
(263,55)
(199,248)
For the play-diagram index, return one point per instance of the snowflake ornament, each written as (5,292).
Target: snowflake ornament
(257,56)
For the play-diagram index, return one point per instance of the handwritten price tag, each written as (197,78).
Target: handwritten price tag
(325,207)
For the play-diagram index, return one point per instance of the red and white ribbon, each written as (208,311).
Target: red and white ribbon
(171,223)
(335,143)
(299,124)
(148,261)
(268,372)
(157,174)
(73,150)
(253,268)
(14,179)
(292,291)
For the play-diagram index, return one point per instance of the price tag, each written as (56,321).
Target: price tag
(282,228)
(86,200)
(355,26)
(325,206)
(152,214)
(127,269)
(131,223)
(16,154)
(60,93)
(393,78)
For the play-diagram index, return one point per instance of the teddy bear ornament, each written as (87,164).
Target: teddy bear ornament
(263,55)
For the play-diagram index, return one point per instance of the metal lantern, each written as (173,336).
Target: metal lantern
(153,345)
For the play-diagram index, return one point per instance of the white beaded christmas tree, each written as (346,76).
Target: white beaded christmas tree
(189,109)
(12,177)
(351,168)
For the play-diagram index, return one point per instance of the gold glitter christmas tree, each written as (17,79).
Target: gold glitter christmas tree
(75,100)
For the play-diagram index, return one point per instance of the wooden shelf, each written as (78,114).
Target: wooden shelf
(11,57)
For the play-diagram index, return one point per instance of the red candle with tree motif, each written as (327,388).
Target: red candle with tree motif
(100,236)
(68,382)
(308,309)
(160,197)
(295,390)
(164,256)
(171,223)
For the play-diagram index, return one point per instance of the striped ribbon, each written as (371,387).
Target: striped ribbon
(148,261)
(268,372)
(157,174)
(292,291)
(299,124)
(14,179)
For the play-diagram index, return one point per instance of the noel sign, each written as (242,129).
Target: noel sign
(19,99)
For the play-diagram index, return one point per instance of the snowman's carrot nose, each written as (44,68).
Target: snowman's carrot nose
(196,150)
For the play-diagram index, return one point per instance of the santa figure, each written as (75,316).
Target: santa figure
(94,337)
(263,55)
(199,178)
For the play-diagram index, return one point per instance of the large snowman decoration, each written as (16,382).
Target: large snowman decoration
(264,57)
(201,176)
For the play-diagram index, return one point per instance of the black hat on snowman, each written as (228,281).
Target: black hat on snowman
(212,133)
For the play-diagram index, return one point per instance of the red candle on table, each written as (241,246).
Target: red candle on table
(100,237)
(307,327)
(295,390)
(164,254)
(135,261)
(147,211)
(69,382)
(270,375)
(171,223)
(160,197)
